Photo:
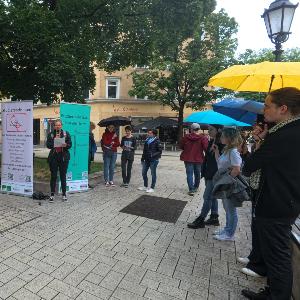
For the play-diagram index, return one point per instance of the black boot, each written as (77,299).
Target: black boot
(198,223)
(213,220)
(262,294)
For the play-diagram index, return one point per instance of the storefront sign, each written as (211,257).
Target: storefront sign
(76,120)
(17,147)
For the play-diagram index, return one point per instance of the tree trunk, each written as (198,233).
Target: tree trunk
(180,122)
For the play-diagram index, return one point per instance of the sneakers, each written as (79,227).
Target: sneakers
(224,237)
(111,183)
(124,185)
(243,260)
(150,190)
(213,220)
(106,183)
(198,223)
(191,193)
(262,294)
(64,198)
(249,272)
(219,232)
(51,199)
(142,188)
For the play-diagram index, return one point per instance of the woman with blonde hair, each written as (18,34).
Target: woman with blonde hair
(229,159)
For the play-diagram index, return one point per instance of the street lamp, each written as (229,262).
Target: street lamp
(278,20)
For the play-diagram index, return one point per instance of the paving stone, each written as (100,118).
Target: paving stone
(47,293)
(126,295)
(64,288)
(8,275)
(24,294)
(29,274)
(111,280)
(87,296)
(75,278)
(132,287)
(15,264)
(11,287)
(38,282)
(95,290)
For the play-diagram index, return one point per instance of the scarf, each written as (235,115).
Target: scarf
(255,177)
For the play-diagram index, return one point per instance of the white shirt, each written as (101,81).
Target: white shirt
(231,158)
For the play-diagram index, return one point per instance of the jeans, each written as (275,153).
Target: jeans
(231,217)
(193,170)
(152,165)
(109,160)
(210,203)
(126,165)
(61,165)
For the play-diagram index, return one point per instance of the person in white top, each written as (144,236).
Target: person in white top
(230,159)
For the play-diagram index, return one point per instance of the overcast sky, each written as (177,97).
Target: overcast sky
(252,31)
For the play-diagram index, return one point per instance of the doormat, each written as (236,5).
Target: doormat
(156,208)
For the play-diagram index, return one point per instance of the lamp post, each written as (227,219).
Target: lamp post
(278,20)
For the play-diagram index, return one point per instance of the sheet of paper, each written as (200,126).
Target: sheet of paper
(58,142)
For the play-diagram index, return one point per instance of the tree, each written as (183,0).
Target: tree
(49,48)
(253,57)
(201,46)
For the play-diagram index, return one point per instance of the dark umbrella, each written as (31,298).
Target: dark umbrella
(240,109)
(116,121)
(163,122)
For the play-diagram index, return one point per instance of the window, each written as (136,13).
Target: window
(112,88)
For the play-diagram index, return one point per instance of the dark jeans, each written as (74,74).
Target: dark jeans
(210,203)
(193,173)
(152,165)
(256,261)
(58,164)
(109,160)
(126,165)
(275,244)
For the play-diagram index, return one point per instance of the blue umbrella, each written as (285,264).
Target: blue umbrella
(212,117)
(239,109)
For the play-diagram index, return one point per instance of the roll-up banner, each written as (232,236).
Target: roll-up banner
(17,147)
(76,120)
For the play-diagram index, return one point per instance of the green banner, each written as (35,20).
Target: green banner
(76,120)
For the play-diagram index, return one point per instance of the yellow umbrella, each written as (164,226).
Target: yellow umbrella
(260,77)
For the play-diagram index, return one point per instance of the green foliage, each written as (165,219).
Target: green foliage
(49,48)
(184,60)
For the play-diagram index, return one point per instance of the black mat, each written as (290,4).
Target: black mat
(156,208)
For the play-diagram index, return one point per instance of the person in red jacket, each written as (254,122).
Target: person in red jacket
(109,143)
(194,146)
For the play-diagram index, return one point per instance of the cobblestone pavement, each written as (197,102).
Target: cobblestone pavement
(86,249)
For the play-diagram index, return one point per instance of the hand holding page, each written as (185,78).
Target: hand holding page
(59,142)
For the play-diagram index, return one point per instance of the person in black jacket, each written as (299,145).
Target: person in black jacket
(58,158)
(150,159)
(128,144)
(92,146)
(274,169)
(209,169)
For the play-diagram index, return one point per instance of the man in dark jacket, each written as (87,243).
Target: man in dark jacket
(150,159)
(274,169)
(58,157)
(194,146)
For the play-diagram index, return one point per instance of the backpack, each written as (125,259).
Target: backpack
(39,196)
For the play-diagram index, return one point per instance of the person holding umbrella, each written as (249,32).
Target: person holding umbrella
(109,143)
(274,174)
(209,169)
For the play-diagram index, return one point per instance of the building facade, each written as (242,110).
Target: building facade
(110,98)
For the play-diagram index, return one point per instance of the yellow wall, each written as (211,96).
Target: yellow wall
(101,109)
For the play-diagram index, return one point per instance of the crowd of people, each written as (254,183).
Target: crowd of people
(262,167)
